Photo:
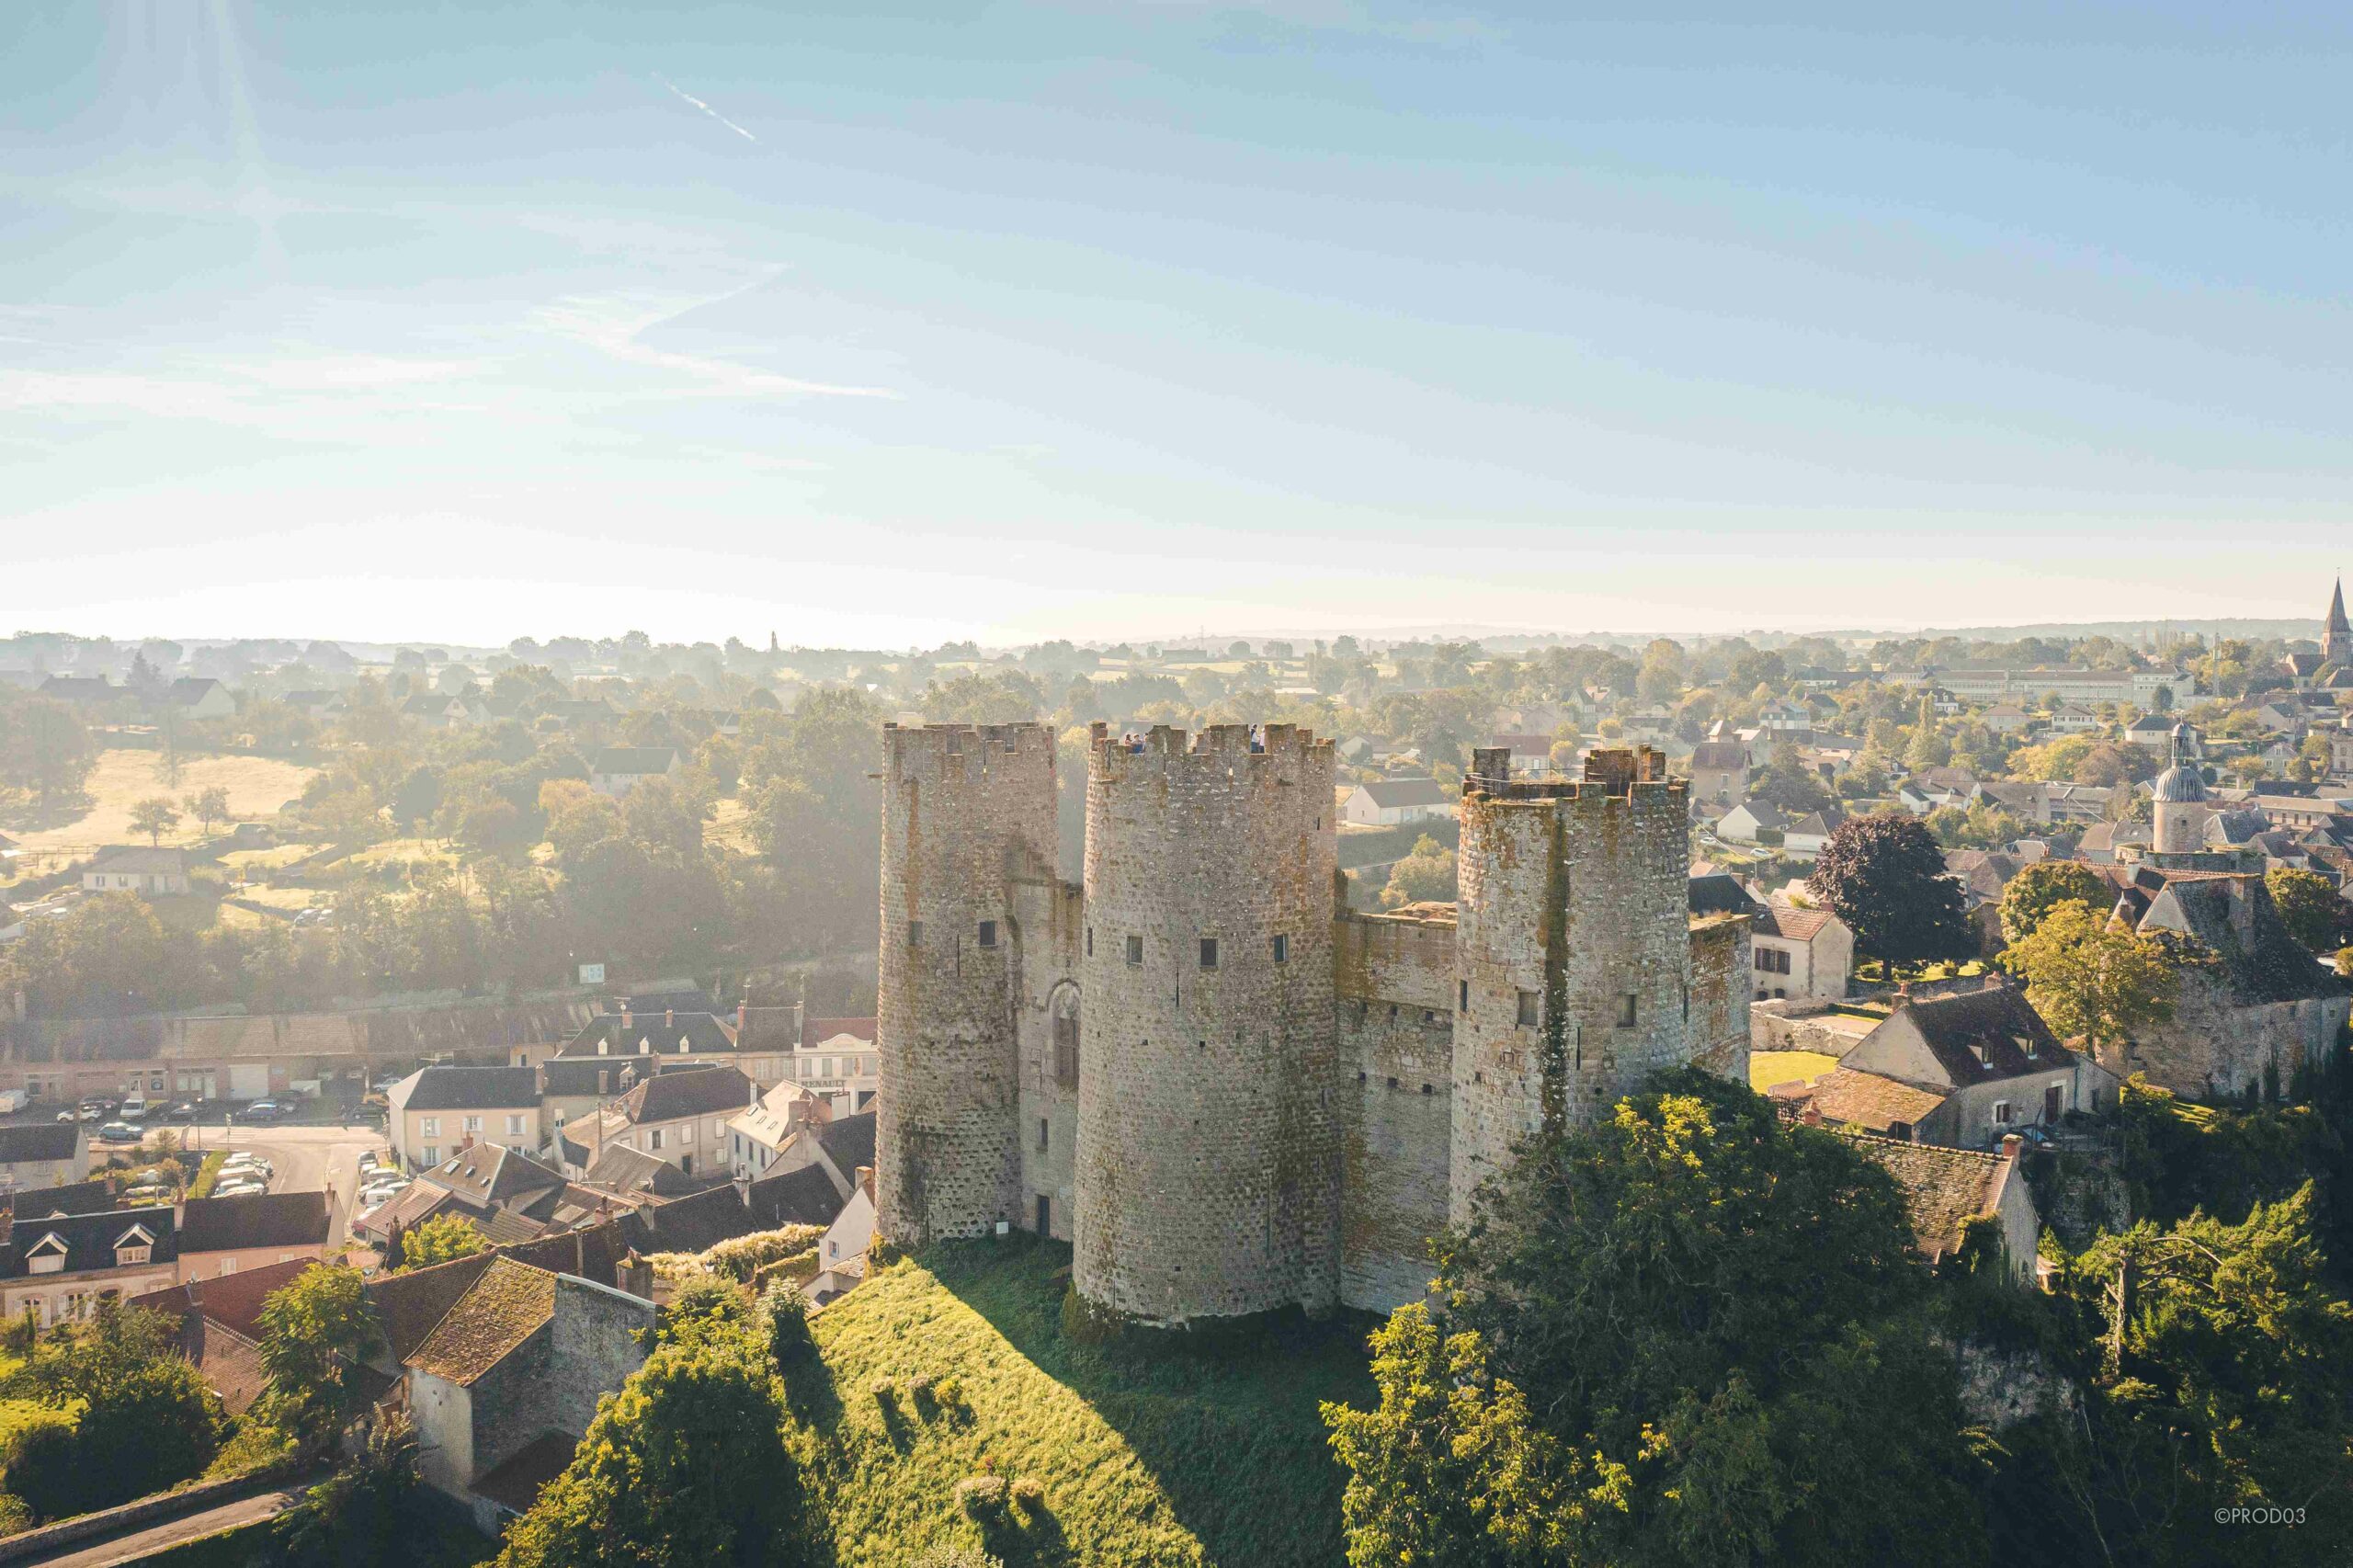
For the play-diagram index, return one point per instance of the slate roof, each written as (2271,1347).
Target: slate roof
(1820,825)
(89,1239)
(255,1220)
(1724,755)
(804,1197)
(849,1142)
(474,1088)
(711,1091)
(591,1253)
(139,859)
(70,1198)
(515,1484)
(488,1174)
(1395,793)
(2233,917)
(660,1030)
(1941,1188)
(35,1141)
(1720,893)
(689,1224)
(638,761)
(507,1304)
(632,1170)
(1996,1018)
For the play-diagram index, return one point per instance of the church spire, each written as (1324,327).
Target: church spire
(2337,637)
(2336,621)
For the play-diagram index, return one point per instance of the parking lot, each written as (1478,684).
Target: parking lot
(304,1157)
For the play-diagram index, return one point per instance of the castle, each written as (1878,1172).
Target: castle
(1231,1093)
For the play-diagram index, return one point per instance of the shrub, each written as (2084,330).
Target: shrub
(786,1311)
(982,1496)
(919,1388)
(1028,1494)
(949,1392)
(798,1269)
(740,1258)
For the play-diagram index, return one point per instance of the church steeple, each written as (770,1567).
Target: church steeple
(2337,637)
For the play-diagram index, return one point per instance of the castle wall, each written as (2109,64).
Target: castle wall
(962,809)
(1392,979)
(1722,976)
(1209,1157)
(2212,1047)
(1574,951)
(1049,924)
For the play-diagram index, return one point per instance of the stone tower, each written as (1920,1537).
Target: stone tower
(2337,632)
(2180,799)
(1208,1156)
(1573,949)
(964,811)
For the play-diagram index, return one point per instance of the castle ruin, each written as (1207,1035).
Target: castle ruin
(1229,1092)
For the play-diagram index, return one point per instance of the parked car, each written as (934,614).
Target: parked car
(183,1111)
(119,1132)
(68,1116)
(134,1110)
(253,1162)
(93,1110)
(238,1188)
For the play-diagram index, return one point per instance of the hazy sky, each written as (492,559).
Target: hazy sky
(1088,319)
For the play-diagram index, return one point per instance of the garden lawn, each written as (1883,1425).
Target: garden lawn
(1767,1068)
(257,787)
(1178,1453)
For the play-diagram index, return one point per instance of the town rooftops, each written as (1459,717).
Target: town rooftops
(69,1197)
(625,1169)
(90,1241)
(1975,1036)
(486,1174)
(708,1091)
(508,1303)
(804,1197)
(1869,1101)
(255,1220)
(235,1299)
(660,1032)
(473,1088)
(28,1143)
(816,1032)
(1720,893)
(1724,755)
(1942,1186)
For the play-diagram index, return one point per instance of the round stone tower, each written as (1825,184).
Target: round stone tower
(1209,1155)
(962,808)
(2180,801)
(1573,949)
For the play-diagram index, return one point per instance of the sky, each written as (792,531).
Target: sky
(892,323)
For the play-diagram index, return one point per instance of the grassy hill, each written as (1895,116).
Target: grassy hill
(1178,1454)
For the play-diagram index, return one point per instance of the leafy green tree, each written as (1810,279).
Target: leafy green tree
(1884,876)
(1670,1335)
(316,1334)
(361,1516)
(785,1311)
(1789,783)
(155,816)
(440,1238)
(2090,977)
(1427,874)
(2037,888)
(148,1422)
(2309,907)
(207,805)
(44,748)
(418,792)
(685,1467)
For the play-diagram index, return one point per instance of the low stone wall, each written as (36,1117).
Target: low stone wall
(1795,1024)
(154,1508)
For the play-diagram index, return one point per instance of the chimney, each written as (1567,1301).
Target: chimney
(669,1018)
(626,1024)
(1903,991)
(2011,1144)
(1811,1115)
(739,1021)
(866,1181)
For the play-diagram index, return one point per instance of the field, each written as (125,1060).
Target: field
(1177,1455)
(258,786)
(1767,1068)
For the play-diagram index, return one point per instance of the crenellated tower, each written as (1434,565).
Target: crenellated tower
(1209,1157)
(1573,949)
(966,811)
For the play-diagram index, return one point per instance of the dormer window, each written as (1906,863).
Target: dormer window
(46,1256)
(646,1048)
(1985,1054)
(682,1045)
(134,1245)
(604,1048)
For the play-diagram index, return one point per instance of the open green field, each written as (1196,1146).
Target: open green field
(1181,1453)
(257,787)
(1767,1068)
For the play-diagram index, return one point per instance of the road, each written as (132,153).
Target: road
(309,1157)
(142,1543)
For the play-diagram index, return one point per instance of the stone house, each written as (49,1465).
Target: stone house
(1749,822)
(1944,1189)
(435,1111)
(1719,775)
(841,1253)
(516,1366)
(152,872)
(1798,952)
(42,1154)
(199,697)
(1961,1069)
(679,1118)
(813,1174)
(57,1267)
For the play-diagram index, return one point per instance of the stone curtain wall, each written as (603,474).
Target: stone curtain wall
(1049,926)
(596,1340)
(1209,1155)
(961,807)
(2211,1047)
(1393,976)
(1721,961)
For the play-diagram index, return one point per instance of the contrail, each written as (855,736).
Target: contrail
(708,109)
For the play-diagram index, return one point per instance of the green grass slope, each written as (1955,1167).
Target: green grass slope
(1172,1454)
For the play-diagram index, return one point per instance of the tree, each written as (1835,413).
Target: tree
(1667,1331)
(207,805)
(155,816)
(1427,875)
(418,794)
(1885,878)
(2309,906)
(652,1484)
(316,1334)
(147,1422)
(439,1240)
(2089,976)
(1789,783)
(2038,888)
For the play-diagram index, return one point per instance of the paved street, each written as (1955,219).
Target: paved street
(139,1544)
(308,1156)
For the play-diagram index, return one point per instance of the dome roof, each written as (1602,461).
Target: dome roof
(2179,783)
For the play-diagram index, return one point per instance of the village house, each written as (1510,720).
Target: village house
(813,1174)
(444,710)
(759,1132)
(1810,834)
(220,1327)
(1388,802)
(1752,821)
(841,1253)
(1945,1189)
(150,873)
(679,1118)
(616,770)
(220,1236)
(1960,1069)
(56,1268)
(2005,718)
(1806,953)
(1719,775)
(42,1154)
(435,1111)
(196,697)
